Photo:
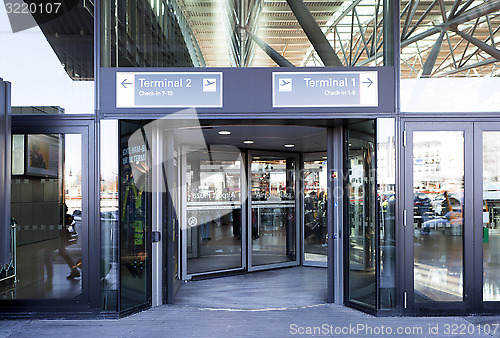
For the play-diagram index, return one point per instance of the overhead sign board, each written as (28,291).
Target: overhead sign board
(325,89)
(248,92)
(168,89)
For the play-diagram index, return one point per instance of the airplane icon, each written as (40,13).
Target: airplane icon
(285,85)
(209,85)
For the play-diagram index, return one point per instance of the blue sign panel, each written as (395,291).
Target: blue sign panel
(325,89)
(248,92)
(168,89)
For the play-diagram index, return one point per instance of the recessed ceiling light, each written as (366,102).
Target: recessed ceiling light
(224,132)
(289,145)
(248,142)
(257,157)
(325,157)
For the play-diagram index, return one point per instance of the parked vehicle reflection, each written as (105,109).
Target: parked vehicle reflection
(447,214)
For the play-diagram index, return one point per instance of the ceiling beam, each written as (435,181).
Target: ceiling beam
(273,54)
(478,43)
(314,34)
(465,68)
(476,12)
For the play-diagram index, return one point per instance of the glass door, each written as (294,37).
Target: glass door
(212,213)
(361,206)
(438,217)
(135,216)
(315,225)
(487,216)
(273,224)
(50,209)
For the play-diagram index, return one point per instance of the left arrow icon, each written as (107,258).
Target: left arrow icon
(124,83)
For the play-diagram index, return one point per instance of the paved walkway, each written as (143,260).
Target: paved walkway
(322,320)
(253,305)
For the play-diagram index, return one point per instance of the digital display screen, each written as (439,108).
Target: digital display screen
(42,155)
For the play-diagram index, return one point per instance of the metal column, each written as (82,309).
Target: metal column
(5,135)
(158,216)
(335,216)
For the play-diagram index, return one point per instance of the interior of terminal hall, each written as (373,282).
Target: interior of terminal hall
(341,152)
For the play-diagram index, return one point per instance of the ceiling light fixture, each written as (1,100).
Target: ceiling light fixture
(248,142)
(224,132)
(289,145)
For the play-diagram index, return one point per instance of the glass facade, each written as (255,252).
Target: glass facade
(446,56)
(48,232)
(449,57)
(50,60)
(109,215)
(141,33)
(386,194)
(165,33)
(406,243)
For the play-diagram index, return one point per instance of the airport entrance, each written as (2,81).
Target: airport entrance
(249,209)
(242,183)
(211,198)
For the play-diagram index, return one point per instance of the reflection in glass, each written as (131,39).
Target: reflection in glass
(147,34)
(135,217)
(161,33)
(491,216)
(315,222)
(273,212)
(386,187)
(46,207)
(451,53)
(174,216)
(214,213)
(438,190)
(109,215)
(361,221)
(52,64)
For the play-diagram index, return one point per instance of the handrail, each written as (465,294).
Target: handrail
(13,259)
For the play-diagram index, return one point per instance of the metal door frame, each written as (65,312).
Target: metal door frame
(170,193)
(298,212)
(438,307)
(480,306)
